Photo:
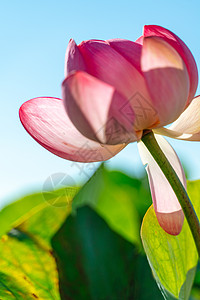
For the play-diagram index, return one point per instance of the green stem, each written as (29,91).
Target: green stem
(150,142)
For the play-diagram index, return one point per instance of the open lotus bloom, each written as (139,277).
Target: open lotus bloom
(113,91)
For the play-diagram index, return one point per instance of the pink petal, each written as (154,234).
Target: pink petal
(166,77)
(103,62)
(166,205)
(129,50)
(73,59)
(187,126)
(139,40)
(46,121)
(182,49)
(97,110)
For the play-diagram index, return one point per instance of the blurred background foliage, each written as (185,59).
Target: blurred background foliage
(80,243)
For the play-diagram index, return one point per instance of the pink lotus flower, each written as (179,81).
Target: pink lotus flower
(113,91)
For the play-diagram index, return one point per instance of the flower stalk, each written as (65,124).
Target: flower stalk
(150,142)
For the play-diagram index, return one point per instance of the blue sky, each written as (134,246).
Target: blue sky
(34,36)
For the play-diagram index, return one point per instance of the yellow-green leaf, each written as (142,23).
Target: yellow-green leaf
(27,266)
(21,210)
